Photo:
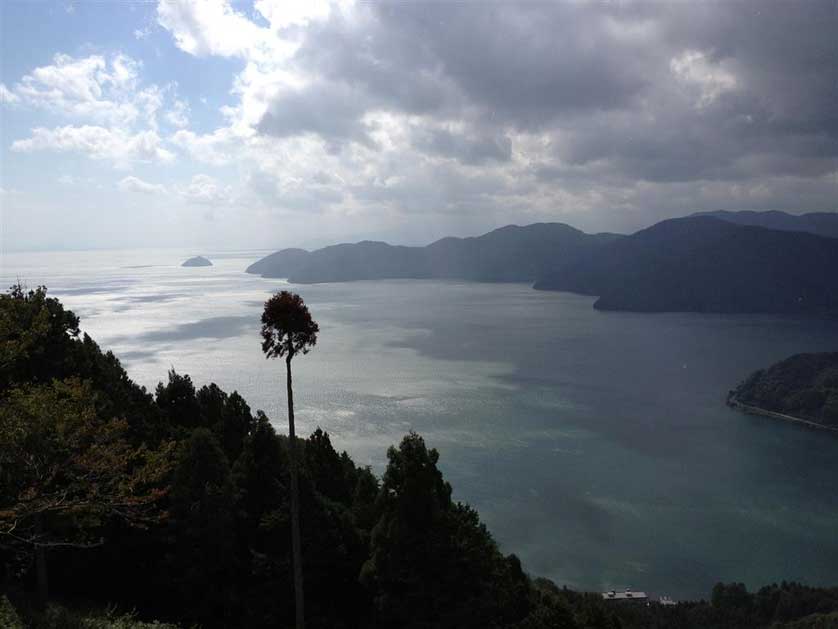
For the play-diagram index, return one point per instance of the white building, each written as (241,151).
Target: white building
(626,595)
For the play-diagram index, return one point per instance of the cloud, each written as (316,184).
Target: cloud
(694,67)
(7,96)
(475,147)
(97,143)
(178,115)
(135,184)
(217,148)
(331,111)
(92,87)
(207,27)
(205,190)
(574,111)
(104,90)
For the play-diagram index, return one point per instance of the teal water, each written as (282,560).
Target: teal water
(596,446)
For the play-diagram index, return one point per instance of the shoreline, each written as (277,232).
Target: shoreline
(756,410)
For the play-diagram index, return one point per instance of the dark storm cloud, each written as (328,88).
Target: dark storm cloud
(620,93)
(473,149)
(524,63)
(331,110)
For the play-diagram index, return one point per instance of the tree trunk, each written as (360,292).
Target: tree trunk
(41,564)
(296,543)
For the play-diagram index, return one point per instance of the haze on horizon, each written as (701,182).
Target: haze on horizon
(270,124)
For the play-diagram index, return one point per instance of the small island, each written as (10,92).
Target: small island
(197,261)
(802,389)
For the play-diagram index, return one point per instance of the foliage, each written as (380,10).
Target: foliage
(433,563)
(9,617)
(287,326)
(65,470)
(59,617)
(804,385)
(36,337)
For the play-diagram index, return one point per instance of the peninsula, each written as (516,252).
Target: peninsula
(802,388)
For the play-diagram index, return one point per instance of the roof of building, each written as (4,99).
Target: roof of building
(626,595)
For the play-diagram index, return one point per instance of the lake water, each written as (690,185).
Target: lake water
(596,446)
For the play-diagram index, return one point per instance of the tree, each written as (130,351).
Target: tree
(288,330)
(65,471)
(202,499)
(37,337)
(433,563)
(177,400)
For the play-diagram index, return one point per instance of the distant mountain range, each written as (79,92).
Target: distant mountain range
(820,223)
(713,262)
(703,264)
(508,254)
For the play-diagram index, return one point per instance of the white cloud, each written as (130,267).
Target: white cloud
(105,91)
(135,184)
(693,67)
(94,88)
(218,148)
(7,96)
(202,27)
(178,115)
(285,13)
(206,190)
(97,143)
(76,87)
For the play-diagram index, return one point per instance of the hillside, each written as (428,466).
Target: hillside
(703,264)
(804,386)
(819,223)
(510,253)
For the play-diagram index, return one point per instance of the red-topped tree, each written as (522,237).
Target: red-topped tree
(288,330)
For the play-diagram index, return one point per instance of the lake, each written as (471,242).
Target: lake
(595,445)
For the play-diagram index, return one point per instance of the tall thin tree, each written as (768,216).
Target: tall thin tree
(288,330)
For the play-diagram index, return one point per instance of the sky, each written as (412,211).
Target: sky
(266,124)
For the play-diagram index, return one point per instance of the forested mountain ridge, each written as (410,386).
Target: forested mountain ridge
(700,263)
(511,253)
(803,386)
(175,504)
(819,223)
(703,264)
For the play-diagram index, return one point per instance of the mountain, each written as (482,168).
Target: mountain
(511,253)
(703,264)
(280,263)
(820,223)
(197,261)
(804,386)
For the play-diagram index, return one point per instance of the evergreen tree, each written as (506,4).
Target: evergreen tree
(288,330)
